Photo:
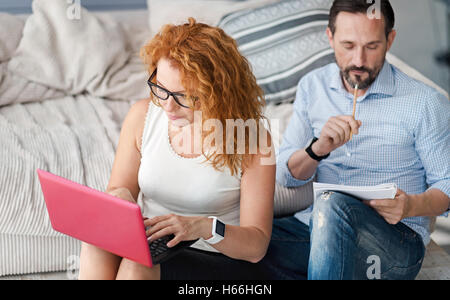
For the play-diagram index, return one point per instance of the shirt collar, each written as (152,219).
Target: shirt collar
(383,84)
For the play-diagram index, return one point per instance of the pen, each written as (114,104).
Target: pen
(355,96)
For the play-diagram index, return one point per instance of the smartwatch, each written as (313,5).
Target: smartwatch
(218,231)
(312,154)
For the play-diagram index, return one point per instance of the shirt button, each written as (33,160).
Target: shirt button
(349,154)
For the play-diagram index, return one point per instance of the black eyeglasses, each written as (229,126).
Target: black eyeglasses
(163,94)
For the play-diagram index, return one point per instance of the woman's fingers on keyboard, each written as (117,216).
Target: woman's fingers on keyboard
(155,220)
(158,227)
(183,227)
(161,233)
(173,242)
(157,223)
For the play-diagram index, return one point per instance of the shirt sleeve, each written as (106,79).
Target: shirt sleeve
(433,142)
(298,133)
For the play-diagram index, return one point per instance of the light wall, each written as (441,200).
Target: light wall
(421,33)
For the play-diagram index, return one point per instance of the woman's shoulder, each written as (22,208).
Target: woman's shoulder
(139,108)
(135,120)
(137,114)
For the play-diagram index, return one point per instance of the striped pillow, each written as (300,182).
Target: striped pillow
(282,41)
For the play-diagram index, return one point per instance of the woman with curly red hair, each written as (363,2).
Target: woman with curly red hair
(195,172)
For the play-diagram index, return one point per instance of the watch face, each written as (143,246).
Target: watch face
(220,228)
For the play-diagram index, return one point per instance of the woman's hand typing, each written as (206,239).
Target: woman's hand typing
(184,228)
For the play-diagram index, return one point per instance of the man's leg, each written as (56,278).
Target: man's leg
(350,240)
(288,252)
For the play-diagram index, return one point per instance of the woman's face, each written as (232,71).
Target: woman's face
(169,78)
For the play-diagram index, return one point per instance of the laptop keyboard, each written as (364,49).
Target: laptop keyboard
(161,253)
(159,246)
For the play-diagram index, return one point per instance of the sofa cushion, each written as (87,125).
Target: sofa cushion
(10,35)
(282,41)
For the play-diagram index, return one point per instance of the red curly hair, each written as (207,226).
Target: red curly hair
(213,71)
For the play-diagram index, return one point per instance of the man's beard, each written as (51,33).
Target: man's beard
(362,84)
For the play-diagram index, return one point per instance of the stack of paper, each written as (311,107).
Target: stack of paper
(382,191)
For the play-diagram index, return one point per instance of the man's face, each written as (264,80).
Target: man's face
(360,46)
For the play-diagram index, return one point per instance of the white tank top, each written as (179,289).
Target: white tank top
(171,183)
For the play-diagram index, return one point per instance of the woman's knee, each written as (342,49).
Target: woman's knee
(91,251)
(96,263)
(130,270)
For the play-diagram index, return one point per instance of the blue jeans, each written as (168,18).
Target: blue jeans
(346,239)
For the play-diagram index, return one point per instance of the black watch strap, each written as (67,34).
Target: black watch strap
(312,154)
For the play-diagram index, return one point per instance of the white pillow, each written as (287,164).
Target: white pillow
(10,35)
(163,12)
(92,54)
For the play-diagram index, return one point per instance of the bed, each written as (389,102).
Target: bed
(66,85)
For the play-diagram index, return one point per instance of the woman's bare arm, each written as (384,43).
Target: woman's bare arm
(123,182)
(250,240)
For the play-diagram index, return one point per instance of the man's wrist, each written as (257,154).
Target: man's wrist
(317,149)
(418,205)
(315,156)
(410,205)
(432,202)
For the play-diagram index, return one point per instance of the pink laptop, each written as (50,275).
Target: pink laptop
(96,218)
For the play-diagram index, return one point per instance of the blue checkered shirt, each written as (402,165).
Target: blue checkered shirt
(404,137)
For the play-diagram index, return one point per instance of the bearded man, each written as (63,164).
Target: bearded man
(400,135)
